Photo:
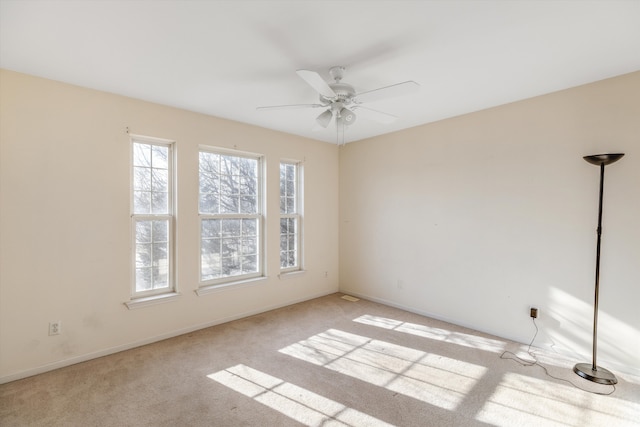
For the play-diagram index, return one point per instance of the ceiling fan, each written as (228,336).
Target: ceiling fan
(340,100)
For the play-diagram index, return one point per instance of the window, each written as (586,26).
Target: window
(290,216)
(230,217)
(152,217)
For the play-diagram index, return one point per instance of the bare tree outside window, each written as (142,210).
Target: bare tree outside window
(152,217)
(289,216)
(230,213)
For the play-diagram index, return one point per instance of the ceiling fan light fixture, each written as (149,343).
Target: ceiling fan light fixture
(324,118)
(347,116)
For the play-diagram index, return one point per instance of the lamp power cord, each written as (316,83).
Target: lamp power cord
(535,362)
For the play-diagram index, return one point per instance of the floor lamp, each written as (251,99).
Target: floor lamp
(591,371)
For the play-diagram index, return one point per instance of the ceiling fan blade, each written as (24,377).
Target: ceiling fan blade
(315,81)
(289,107)
(392,91)
(375,115)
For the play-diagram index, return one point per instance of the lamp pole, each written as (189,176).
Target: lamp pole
(591,371)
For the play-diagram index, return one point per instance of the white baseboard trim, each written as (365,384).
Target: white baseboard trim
(112,350)
(630,370)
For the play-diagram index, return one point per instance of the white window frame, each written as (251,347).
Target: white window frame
(209,285)
(140,298)
(297,216)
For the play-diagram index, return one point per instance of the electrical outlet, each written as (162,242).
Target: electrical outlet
(534,312)
(55,328)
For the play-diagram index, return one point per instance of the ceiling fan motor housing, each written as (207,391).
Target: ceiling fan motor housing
(344,93)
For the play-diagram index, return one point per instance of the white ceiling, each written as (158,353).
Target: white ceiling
(225,58)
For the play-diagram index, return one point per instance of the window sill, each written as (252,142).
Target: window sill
(209,289)
(291,274)
(152,300)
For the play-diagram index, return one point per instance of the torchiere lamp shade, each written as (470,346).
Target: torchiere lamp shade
(603,159)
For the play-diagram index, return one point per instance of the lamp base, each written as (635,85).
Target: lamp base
(598,375)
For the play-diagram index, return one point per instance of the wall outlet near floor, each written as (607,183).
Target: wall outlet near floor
(55,328)
(534,312)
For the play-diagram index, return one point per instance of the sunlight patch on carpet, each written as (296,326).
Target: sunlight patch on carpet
(459,338)
(295,402)
(525,401)
(431,378)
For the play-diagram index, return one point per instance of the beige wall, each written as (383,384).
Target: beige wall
(65,227)
(471,220)
(477,218)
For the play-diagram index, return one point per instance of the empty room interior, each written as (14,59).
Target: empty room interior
(351,213)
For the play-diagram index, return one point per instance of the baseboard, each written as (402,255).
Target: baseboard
(112,350)
(610,365)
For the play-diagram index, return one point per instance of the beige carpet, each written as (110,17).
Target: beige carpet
(325,362)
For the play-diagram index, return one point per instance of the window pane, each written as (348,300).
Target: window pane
(228,204)
(142,155)
(289,206)
(291,188)
(143,279)
(249,264)
(230,246)
(211,248)
(231,266)
(210,270)
(231,227)
(248,167)
(151,191)
(288,179)
(209,184)
(210,228)
(160,180)
(159,203)
(249,227)
(143,232)
(209,164)
(249,246)
(160,156)
(226,167)
(248,185)
(160,276)
(248,204)
(160,231)
(210,259)
(143,255)
(142,178)
(141,202)
(209,203)
(228,186)
(160,254)
(152,254)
